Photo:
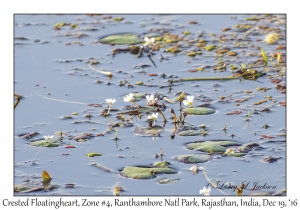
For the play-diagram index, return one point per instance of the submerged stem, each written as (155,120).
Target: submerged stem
(205,78)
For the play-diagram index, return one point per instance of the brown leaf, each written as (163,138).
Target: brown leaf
(152,75)
(234,112)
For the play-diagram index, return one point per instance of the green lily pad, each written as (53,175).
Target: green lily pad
(121,39)
(166,181)
(45,143)
(199,111)
(210,47)
(146,131)
(192,158)
(190,133)
(93,154)
(214,146)
(145,173)
(32,188)
(147,108)
(137,96)
(161,164)
(234,154)
(121,124)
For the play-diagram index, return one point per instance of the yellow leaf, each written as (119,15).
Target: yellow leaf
(180,98)
(46,177)
(278,57)
(116,191)
(264,55)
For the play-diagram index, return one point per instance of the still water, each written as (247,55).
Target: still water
(54,79)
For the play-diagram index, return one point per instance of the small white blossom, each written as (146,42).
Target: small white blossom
(149,41)
(231,150)
(150,98)
(128,98)
(110,101)
(189,100)
(48,137)
(205,191)
(194,169)
(153,116)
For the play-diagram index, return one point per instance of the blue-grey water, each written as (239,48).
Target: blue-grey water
(53,88)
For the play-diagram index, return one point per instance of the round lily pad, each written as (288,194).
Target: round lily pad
(199,111)
(145,173)
(45,143)
(212,146)
(147,131)
(121,39)
(192,158)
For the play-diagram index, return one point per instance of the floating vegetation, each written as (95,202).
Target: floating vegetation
(222,68)
(167,181)
(149,131)
(199,111)
(145,173)
(212,146)
(210,47)
(188,159)
(121,39)
(272,38)
(45,143)
(93,154)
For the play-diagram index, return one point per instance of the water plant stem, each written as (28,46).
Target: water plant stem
(205,78)
(102,72)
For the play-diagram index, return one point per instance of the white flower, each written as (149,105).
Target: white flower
(110,101)
(230,150)
(153,116)
(189,100)
(149,41)
(48,137)
(205,191)
(150,98)
(194,169)
(128,98)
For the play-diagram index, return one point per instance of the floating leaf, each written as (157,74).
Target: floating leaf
(147,108)
(147,131)
(139,83)
(93,154)
(121,39)
(121,124)
(46,177)
(118,18)
(161,164)
(210,47)
(235,154)
(45,143)
(190,133)
(34,188)
(145,173)
(192,158)
(218,146)
(166,181)
(199,111)
(191,54)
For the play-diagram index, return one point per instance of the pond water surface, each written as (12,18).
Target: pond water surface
(54,79)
